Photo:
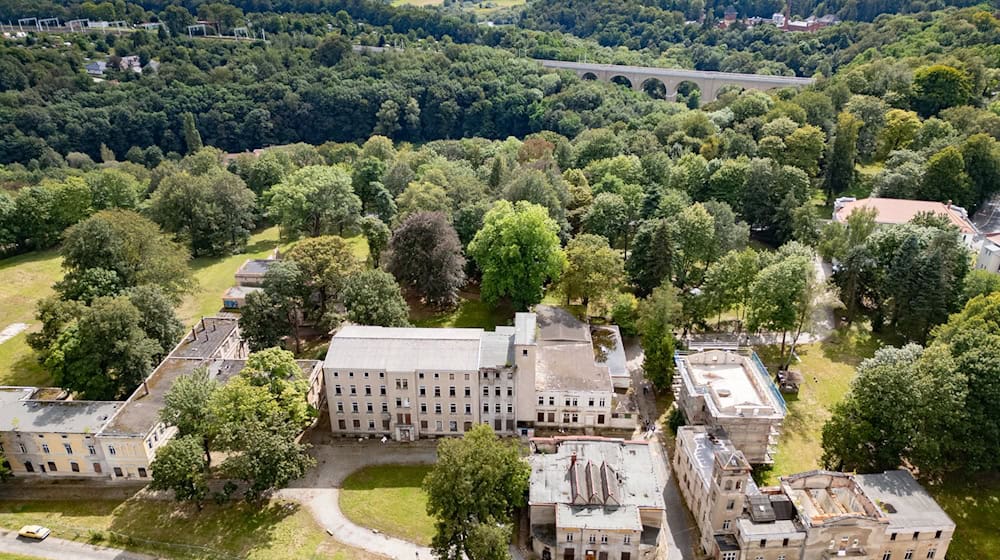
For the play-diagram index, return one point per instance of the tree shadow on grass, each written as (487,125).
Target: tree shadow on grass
(230,529)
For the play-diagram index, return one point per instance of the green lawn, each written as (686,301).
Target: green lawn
(828,368)
(277,530)
(9,556)
(470,312)
(25,279)
(389,498)
(974,505)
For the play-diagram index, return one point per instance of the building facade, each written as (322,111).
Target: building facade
(816,515)
(731,390)
(407,383)
(594,498)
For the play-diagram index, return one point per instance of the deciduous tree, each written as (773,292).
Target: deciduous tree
(425,255)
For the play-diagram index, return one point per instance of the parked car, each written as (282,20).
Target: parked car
(34,532)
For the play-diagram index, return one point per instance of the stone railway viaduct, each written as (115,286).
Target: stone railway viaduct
(642,77)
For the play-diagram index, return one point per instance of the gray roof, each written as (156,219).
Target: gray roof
(598,517)
(240,291)
(915,509)
(18,412)
(609,350)
(780,528)
(569,366)
(496,348)
(404,349)
(557,324)
(256,266)
(632,462)
(205,338)
(141,412)
(524,328)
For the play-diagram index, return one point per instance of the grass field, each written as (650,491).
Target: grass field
(25,279)
(471,312)
(828,368)
(974,505)
(279,530)
(389,498)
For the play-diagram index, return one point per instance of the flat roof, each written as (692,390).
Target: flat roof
(569,366)
(496,349)
(782,528)
(914,507)
(900,211)
(731,380)
(21,414)
(598,517)
(142,410)
(404,349)
(525,325)
(609,351)
(205,338)
(632,462)
(240,291)
(255,266)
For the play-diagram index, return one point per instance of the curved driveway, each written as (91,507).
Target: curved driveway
(319,491)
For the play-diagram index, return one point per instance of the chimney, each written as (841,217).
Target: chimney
(572,460)
(145,388)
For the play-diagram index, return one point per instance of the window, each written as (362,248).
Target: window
(423,424)
(69,448)
(366,375)
(498,390)
(75,467)
(91,450)
(524,351)
(467,377)
(784,542)
(118,472)
(567,402)
(350,374)
(420,375)
(423,408)
(569,538)
(486,391)
(592,539)
(357,424)
(931,553)
(149,444)
(451,391)
(552,401)
(381,390)
(370,408)
(497,408)
(399,403)
(354,389)
(565,418)
(437,408)
(886,555)
(23,448)
(763,543)
(385,407)
(541,401)
(726,525)
(759,557)
(576,418)
(937,534)
(45,447)
(437,376)
(368,390)
(541,416)
(627,540)
(486,407)
(336,390)
(468,409)
(451,377)
(739,484)
(453,408)
(340,406)
(354,407)
(342,424)
(729,485)
(604,539)
(782,557)
(437,390)
(371,425)
(600,402)
(510,391)
(729,555)
(908,555)
(916,535)
(52,467)
(440,426)
(730,504)
(142,472)
(510,408)
(892,537)
(468,392)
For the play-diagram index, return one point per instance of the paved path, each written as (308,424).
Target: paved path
(59,549)
(319,490)
(679,526)
(11,331)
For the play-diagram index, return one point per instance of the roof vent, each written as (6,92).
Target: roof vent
(724,393)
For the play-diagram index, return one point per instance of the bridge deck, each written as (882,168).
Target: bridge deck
(675,72)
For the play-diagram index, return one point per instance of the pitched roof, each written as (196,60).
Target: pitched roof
(404,349)
(900,211)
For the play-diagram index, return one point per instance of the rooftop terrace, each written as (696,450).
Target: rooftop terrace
(736,384)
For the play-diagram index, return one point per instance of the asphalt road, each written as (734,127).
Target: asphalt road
(60,549)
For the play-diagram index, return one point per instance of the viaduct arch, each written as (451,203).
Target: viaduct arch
(710,83)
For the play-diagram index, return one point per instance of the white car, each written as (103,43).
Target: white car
(34,532)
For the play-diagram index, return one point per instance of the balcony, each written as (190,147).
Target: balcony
(852,552)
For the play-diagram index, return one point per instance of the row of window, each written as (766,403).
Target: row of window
(592,539)
(908,555)
(91,450)
(452,391)
(571,401)
(452,408)
(75,467)
(401,382)
(452,425)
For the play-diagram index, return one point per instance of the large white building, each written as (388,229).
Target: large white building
(413,382)
(731,390)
